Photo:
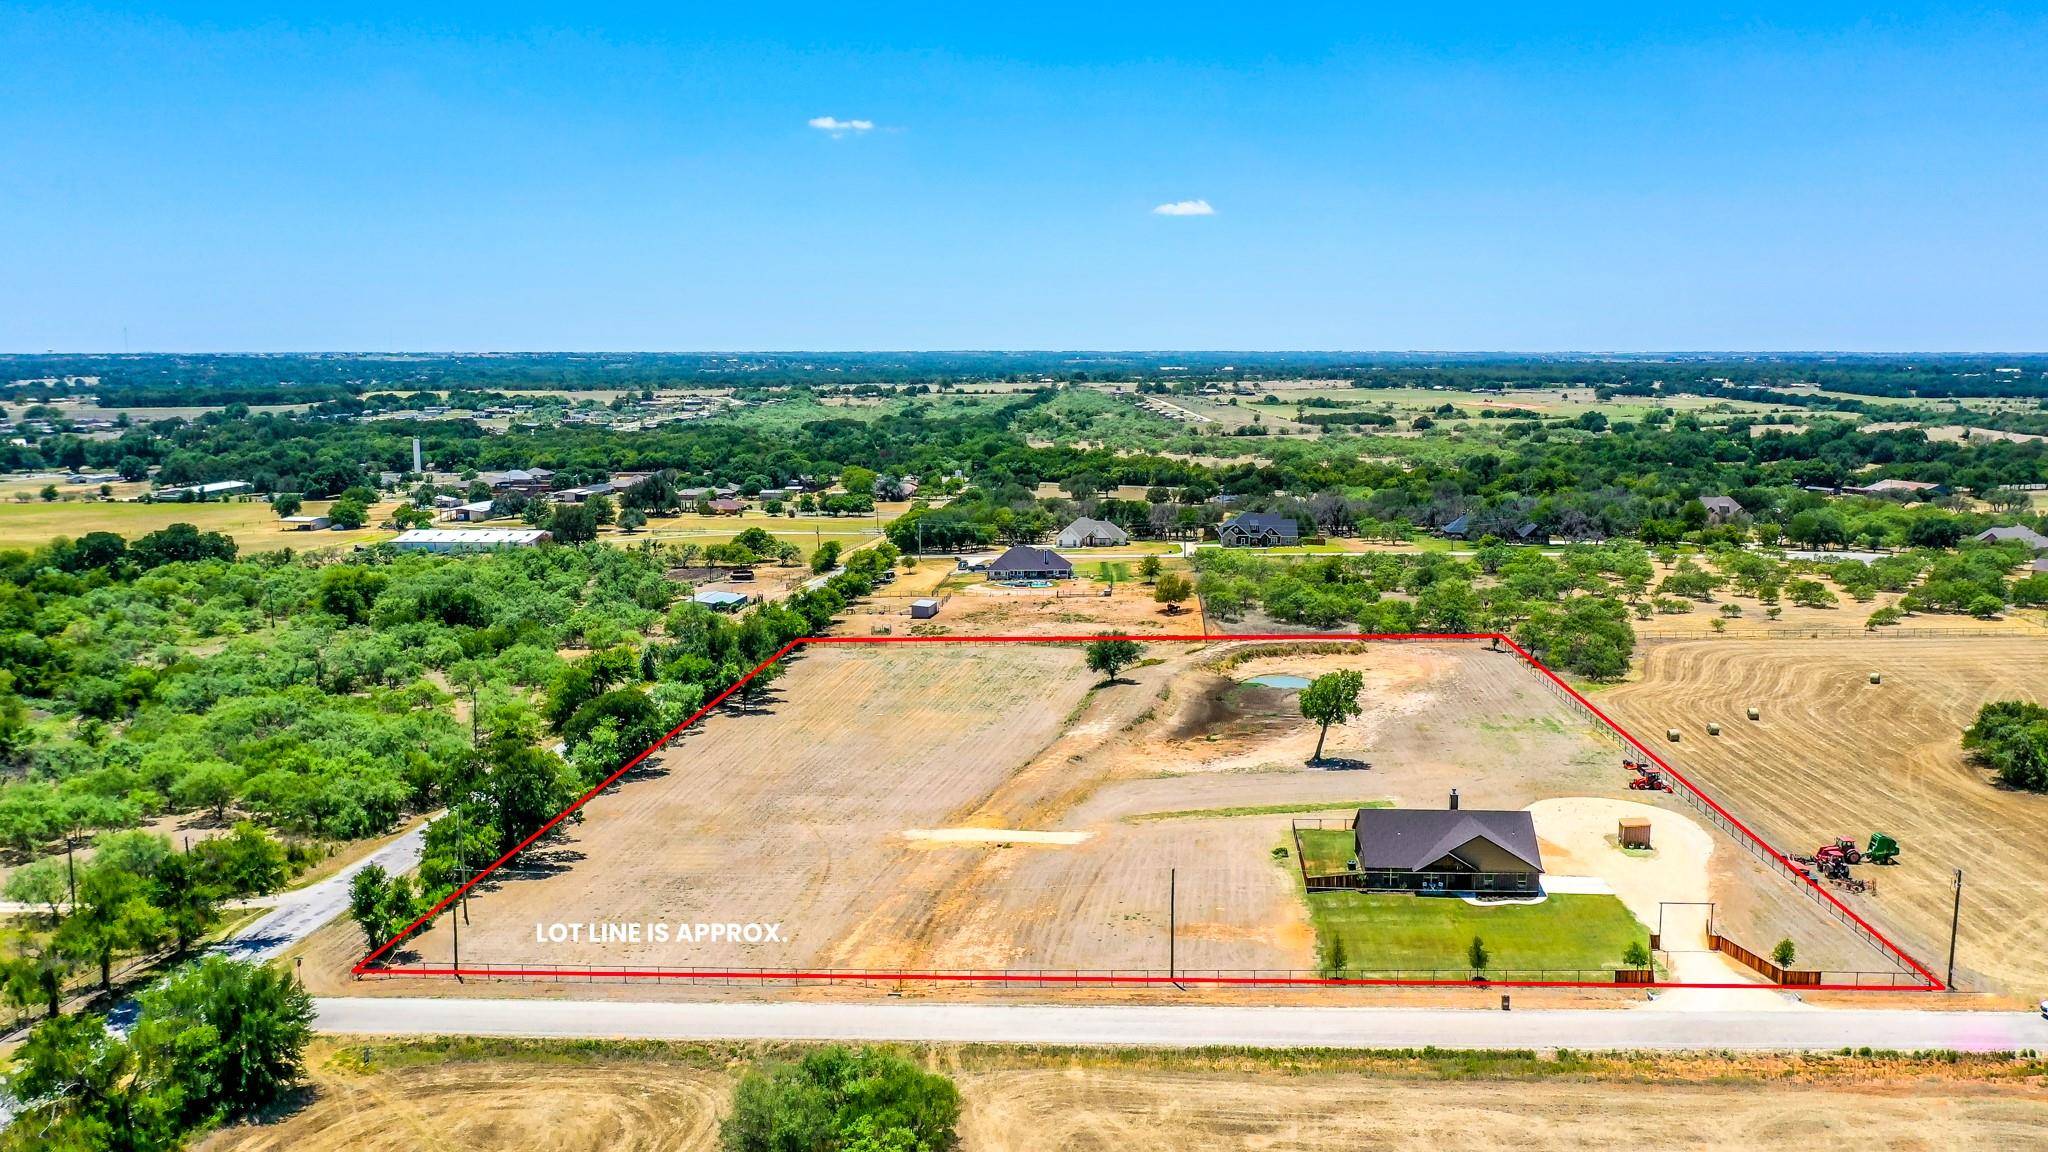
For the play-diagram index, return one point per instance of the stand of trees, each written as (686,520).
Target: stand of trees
(216,1040)
(2010,737)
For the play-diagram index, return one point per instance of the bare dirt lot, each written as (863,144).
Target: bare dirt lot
(791,815)
(984,807)
(374,1098)
(1837,755)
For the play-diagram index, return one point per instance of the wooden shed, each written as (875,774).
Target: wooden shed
(1634,832)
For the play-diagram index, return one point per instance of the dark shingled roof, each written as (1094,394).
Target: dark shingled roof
(1263,521)
(1025,558)
(1413,839)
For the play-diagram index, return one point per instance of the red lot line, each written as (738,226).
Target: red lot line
(367,967)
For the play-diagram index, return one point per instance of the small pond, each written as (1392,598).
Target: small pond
(1280,680)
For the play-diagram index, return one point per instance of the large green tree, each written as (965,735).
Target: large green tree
(1332,698)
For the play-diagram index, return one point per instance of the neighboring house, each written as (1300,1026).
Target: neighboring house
(2019,532)
(1721,509)
(725,506)
(1456,528)
(307,523)
(1090,533)
(531,481)
(579,495)
(1257,530)
(720,601)
(473,512)
(1451,850)
(1025,562)
(1918,489)
(469,539)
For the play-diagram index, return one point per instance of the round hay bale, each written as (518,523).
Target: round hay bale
(1876,679)
(1671,734)
(1713,729)
(1756,713)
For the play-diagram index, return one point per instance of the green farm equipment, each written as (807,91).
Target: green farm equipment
(1883,849)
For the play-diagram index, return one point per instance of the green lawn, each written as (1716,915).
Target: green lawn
(1328,851)
(1399,931)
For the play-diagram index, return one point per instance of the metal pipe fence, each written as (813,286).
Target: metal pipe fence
(1718,816)
(1127,978)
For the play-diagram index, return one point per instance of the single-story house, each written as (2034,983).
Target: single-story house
(1087,532)
(1257,530)
(474,511)
(724,506)
(306,523)
(1528,531)
(585,492)
(1456,528)
(924,609)
(469,539)
(528,480)
(1721,509)
(1917,489)
(1025,562)
(1447,850)
(2019,532)
(720,601)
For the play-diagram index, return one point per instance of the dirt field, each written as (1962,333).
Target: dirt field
(983,807)
(568,1102)
(791,815)
(1835,755)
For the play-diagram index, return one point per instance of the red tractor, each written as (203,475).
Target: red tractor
(1843,851)
(1646,778)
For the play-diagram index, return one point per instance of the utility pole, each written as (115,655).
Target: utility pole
(1172,919)
(70,868)
(1955,920)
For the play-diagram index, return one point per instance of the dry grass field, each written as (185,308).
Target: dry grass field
(251,523)
(989,807)
(377,1098)
(1836,755)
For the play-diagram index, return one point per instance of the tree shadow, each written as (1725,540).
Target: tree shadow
(1339,764)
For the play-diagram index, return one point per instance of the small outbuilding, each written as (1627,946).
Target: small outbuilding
(719,600)
(306,523)
(1634,832)
(924,609)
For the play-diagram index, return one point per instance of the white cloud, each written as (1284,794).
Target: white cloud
(835,127)
(1185,208)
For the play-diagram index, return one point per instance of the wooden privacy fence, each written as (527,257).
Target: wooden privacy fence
(1766,968)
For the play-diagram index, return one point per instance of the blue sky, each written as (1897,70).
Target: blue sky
(1522,178)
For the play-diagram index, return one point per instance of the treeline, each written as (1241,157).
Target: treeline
(604,708)
(1570,611)
(181,379)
